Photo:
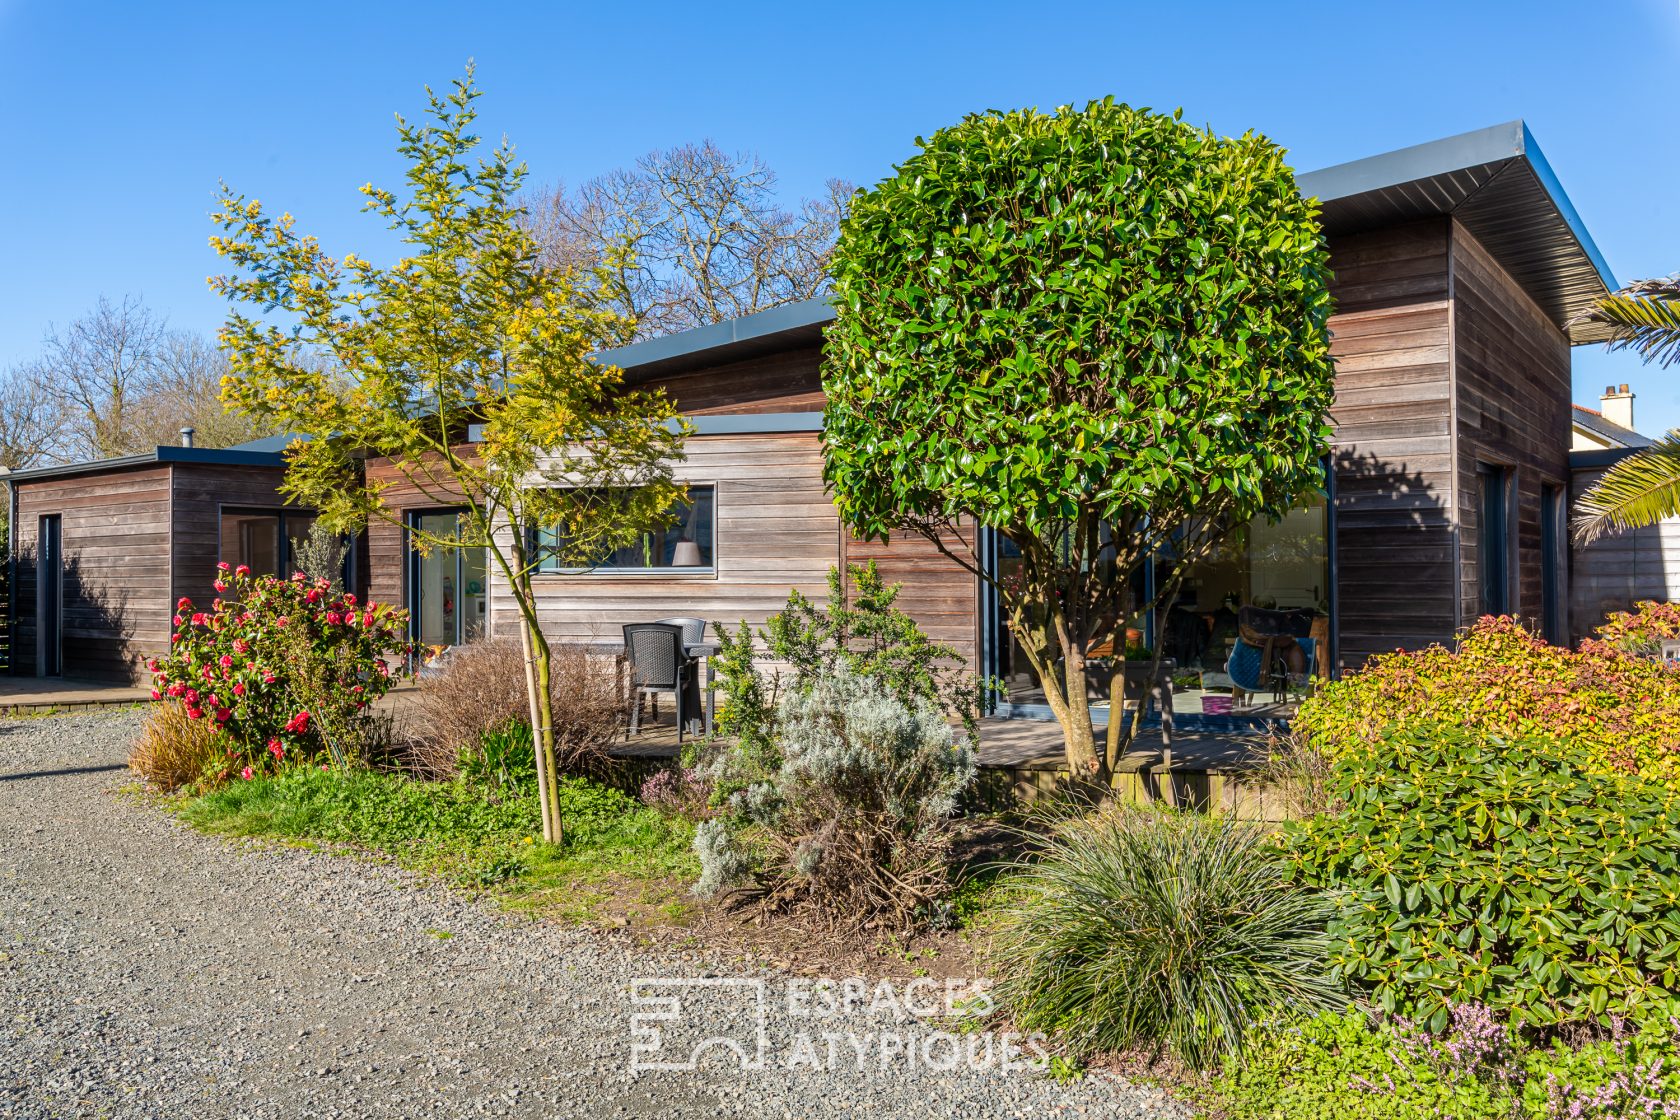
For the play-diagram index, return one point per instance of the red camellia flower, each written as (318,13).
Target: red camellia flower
(224,715)
(183,604)
(238,689)
(194,713)
(334,618)
(242,570)
(219,585)
(192,695)
(268,678)
(246,773)
(239,645)
(222,566)
(349,598)
(156,695)
(198,618)
(226,662)
(298,723)
(313,595)
(276,749)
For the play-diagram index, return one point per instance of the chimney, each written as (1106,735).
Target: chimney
(186,437)
(1617,406)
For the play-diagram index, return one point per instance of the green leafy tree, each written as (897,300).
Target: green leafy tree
(1099,333)
(466,328)
(1643,488)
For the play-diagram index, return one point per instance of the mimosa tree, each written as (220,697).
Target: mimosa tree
(466,328)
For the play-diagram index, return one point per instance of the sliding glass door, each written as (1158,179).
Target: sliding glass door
(448,590)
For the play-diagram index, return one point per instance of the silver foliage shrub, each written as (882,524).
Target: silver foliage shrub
(853,826)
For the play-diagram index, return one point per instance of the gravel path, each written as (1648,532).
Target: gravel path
(146,970)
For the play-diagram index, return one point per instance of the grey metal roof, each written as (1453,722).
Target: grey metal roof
(779,328)
(1495,181)
(1614,434)
(209,456)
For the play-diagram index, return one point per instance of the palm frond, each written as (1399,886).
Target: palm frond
(1640,490)
(1644,317)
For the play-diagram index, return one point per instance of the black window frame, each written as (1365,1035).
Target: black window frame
(284,548)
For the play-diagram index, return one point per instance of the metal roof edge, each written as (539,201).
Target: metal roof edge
(1565,208)
(712,336)
(1599,458)
(212,456)
(1419,161)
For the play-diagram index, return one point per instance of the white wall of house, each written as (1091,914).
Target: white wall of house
(1621,569)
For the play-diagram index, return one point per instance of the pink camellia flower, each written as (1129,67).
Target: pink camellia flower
(242,570)
(178,620)
(246,774)
(173,638)
(176,689)
(224,715)
(156,695)
(222,566)
(276,749)
(198,618)
(281,621)
(367,619)
(298,723)
(238,689)
(194,713)
(219,585)
(192,695)
(226,661)
(183,604)
(239,645)
(212,701)
(334,618)
(268,678)
(313,595)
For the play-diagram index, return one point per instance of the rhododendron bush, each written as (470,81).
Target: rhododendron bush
(284,668)
(1622,707)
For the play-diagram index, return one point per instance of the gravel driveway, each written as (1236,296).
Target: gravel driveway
(146,970)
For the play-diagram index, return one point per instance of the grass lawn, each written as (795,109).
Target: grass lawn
(619,857)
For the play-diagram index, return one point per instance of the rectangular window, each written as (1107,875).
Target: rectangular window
(261,539)
(1552,565)
(1493,538)
(686,544)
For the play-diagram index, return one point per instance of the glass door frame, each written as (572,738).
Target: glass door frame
(414,561)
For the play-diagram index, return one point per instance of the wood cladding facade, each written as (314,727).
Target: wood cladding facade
(1443,364)
(134,540)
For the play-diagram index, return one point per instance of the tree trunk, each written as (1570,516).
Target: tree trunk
(1064,691)
(539,699)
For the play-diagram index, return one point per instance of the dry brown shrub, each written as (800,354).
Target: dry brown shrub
(174,750)
(481,688)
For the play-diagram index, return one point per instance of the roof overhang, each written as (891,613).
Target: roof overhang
(1497,183)
(788,327)
(209,456)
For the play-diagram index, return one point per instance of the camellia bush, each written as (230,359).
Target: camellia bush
(1622,708)
(1468,867)
(284,668)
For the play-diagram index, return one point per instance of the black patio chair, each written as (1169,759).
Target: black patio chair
(654,652)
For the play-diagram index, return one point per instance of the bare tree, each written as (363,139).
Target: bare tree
(696,236)
(118,381)
(30,421)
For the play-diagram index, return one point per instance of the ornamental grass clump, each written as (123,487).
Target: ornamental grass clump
(1161,930)
(1621,708)
(174,750)
(1469,868)
(852,827)
(282,669)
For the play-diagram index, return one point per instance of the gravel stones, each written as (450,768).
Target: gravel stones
(148,971)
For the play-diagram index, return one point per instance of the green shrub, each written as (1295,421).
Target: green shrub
(1469,867)
(1159,929)
(1624,710)
(852,827)
(1642,630)
(1344,1065)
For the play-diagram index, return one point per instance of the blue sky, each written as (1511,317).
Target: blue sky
(119,119)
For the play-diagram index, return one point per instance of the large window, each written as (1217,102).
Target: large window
(261,539)
(449,590)
(687,543)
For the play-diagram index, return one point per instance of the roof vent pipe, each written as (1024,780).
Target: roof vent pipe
(186,437)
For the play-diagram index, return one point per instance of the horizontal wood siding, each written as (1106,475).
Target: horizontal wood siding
(386,579)
(201,490)
(940,594)
(776,530)
(117,608)
(1392,448)
(1512,371)
(1618,571)
(790,381)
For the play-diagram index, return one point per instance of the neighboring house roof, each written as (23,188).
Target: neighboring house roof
(1591,423)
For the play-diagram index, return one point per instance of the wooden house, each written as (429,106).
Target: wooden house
(1460,266)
